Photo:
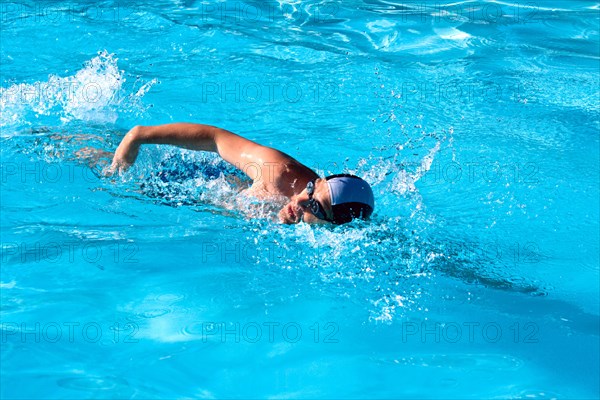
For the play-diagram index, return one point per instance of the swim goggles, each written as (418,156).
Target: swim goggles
(315,207)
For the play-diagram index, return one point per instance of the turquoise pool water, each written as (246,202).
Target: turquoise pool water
(476,123)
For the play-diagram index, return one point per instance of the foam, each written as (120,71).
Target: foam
(94,94)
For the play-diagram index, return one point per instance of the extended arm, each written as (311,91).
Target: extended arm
(258,162)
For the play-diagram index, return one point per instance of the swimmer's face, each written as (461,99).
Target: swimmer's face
(298,209)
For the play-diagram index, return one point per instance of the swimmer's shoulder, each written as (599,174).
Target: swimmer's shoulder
(290,178)
(280,174)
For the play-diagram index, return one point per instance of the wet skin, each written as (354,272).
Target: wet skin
(298,209)
(272,171)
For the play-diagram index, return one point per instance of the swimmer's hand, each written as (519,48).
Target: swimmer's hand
(126,153)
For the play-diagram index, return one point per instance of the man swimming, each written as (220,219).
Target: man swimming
(335,199)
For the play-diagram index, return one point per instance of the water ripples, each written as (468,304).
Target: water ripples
(94,383)
(489,362)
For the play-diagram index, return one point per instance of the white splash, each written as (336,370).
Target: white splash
(94,93)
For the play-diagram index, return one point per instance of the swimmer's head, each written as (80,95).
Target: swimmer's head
(336,199)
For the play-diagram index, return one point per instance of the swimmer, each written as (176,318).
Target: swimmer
(335,199)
